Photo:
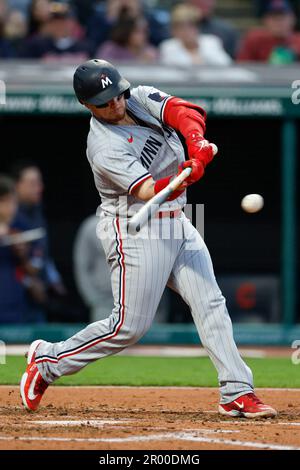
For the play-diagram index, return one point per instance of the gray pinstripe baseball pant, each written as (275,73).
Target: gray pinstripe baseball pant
(140,269)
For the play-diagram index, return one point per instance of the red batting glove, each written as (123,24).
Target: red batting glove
(162,183)
(197,171)
(199,148)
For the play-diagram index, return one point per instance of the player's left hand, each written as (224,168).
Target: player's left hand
(196,174)
(199,148)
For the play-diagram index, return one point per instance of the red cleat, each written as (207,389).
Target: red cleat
(248,406)
(32,385)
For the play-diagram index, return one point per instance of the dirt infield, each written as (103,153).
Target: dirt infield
(143,418)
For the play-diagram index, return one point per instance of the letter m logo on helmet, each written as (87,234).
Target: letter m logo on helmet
(105,80)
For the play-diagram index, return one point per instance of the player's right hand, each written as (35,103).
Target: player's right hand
(199,148)
(196,174)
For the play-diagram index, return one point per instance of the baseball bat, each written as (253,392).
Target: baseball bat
(151,207)
(23,237)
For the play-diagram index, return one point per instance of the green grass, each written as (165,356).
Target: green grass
(122,370)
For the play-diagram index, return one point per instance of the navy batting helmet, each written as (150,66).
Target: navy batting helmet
(98,81)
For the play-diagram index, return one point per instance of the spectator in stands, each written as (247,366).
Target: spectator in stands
(91,271)
(6,48)
(261,5)
(29,186)
(187,46)
(20,5)
(15,30)
(276,42)
(3,10)
(129,42)
(58,42)
(84,9)
(107,14)
(38,16)
(210,24)
(17,271)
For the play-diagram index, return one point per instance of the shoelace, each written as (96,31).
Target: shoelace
(40,386)
(255,399)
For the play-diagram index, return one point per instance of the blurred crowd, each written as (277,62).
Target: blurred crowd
(188,32)
(30,282)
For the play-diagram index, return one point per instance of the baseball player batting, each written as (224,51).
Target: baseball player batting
(134,152)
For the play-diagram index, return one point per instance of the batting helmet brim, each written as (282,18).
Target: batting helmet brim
(113,91)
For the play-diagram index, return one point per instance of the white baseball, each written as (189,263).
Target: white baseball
(252,203)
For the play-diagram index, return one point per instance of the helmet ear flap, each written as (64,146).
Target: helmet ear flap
(127,94)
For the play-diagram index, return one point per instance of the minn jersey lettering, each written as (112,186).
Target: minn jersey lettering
(150,151)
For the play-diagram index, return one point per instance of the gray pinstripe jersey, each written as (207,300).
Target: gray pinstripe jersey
(121,157)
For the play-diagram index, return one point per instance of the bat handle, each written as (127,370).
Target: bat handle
(178,180)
